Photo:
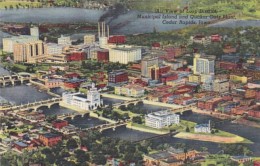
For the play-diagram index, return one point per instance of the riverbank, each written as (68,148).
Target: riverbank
(174,106)
(140,127)
(228,139)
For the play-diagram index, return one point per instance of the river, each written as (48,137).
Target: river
(24,94)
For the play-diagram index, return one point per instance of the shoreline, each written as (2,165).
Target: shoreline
(213,138)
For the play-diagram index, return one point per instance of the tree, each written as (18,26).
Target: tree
(72,144)
(99,159)
(122,107)
(137,119)
(187,129)
(81,156)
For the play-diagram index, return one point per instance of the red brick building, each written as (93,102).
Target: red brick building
(118,76)
(168,77)
(72,75)
(228,65)
(58,124)
(215,38)
(49,139)
(76,56)
(73,83)
(254,113)
(20,146)
(156,45)
(103,55)
(117,39)
(229,49)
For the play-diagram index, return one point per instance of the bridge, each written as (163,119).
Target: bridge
(184,108)
(34,105)
(14,79)
(117,105)
(103,127)
(72,115)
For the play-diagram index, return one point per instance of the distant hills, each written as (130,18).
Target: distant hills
(241,9)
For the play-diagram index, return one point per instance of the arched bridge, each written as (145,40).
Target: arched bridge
(117,105)
(34,105)
(103,127)
(184,108)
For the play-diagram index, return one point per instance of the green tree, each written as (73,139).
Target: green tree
(82,156)
(137,119)
(98,159)
(72,144)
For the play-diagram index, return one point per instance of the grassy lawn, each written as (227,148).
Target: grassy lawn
(19,3)
(182,126)
(2,136)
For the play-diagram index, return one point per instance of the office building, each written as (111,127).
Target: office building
(161,119)
(221,86)
(125,54)
(8,43)
(131,90)
(203,65)
(118,77)
(24,52)
(52,48)
(34,31)
(148,62)
(89,38)
(64,40)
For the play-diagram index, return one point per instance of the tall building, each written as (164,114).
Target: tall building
(125,54)
(203,65)
(23,52)
(34,31)
(89,38)
(8,43)
(52,48)
(148,62)
(64,40)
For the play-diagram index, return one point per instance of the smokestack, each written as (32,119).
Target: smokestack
(104,27)
(108,31)
(98,30)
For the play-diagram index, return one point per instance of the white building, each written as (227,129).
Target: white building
(203,65)
(124,54)
(89,102)
(89,38)
(53,48)
(64,40)
(34,31)
(202,128)
(103,42)
(161,119)
(8,43)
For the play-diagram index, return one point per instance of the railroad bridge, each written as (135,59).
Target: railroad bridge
(14,79)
